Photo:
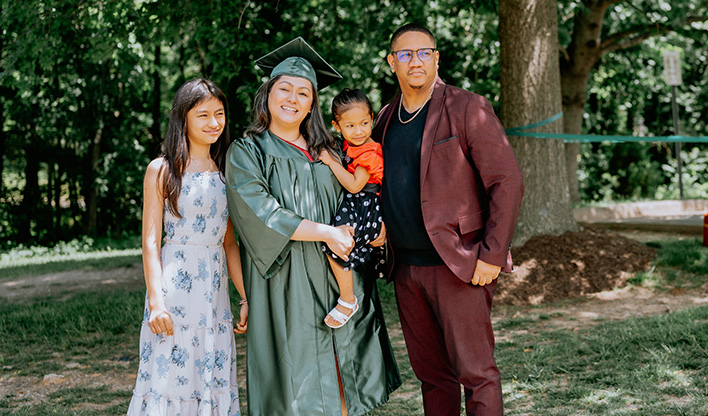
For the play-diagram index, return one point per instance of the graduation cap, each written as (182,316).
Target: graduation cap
(298,59)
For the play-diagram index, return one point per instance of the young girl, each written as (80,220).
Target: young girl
(187,348)
(353,118)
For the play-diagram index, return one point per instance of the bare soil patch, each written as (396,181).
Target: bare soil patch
(608,306)
(29,287)
(579,279)
(571,265)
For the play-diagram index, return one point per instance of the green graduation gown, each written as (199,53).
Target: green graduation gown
(271,188)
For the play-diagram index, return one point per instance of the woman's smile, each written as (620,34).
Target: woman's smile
(289,102)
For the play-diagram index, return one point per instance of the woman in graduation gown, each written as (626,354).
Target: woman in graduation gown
(281,200)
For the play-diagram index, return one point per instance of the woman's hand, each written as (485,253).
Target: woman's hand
(381,239)
(242,324)
(341,241)
(160,321)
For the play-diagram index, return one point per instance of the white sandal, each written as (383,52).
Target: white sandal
(341,318)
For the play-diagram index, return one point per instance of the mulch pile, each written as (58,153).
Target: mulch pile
(550,268)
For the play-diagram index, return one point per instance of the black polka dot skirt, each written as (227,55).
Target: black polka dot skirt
(362,211)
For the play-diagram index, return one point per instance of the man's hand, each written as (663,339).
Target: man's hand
(484,273)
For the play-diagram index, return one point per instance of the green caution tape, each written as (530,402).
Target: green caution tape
(515,130)
(519,131)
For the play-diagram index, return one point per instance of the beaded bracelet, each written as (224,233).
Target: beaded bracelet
(242,302)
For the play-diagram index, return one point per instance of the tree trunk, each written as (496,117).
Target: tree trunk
(584,51)
(74,203)
(3,143)
(182,61)
(30,194)
(57,198)
(530,91)
(92,193)
(51,180)
(3,94)
(572,124)
(154,148)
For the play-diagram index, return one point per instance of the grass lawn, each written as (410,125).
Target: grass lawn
(646,366)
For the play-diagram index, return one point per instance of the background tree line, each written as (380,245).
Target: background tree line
(86,88)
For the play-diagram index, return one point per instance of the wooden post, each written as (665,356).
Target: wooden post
(672,75)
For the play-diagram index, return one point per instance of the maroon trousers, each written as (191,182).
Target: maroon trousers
(450,341)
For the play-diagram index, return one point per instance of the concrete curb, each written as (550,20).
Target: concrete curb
(684,217)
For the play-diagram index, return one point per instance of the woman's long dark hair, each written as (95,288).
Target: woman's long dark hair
(175,148)
(312,128)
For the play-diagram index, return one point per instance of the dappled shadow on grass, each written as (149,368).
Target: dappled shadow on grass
(648,364)
(645,366)
(93,323)
(58,353)
(84,335)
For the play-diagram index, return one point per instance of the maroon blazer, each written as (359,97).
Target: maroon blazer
(470,182)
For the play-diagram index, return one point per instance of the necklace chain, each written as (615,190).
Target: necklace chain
(400,104)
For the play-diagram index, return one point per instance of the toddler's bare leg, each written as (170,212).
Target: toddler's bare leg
(346,289)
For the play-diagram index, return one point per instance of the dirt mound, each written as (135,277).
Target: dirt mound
(550,268)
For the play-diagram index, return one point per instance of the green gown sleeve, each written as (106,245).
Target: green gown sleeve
(263,225)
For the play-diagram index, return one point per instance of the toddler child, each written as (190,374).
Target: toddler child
(353,118)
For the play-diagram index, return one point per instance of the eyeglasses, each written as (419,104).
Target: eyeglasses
(405,55)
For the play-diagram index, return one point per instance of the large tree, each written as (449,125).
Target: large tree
(530,91)
(590,39)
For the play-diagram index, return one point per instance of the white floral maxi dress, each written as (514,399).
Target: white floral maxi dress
(192,372)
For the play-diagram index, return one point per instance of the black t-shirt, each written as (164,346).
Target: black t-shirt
(401,191)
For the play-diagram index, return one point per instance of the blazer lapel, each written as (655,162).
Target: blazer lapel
(437,102)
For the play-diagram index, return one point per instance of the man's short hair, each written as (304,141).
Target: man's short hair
(411,27)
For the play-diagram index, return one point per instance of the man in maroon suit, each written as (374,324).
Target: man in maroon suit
(451,194)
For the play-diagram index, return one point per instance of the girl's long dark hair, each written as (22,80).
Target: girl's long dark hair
(175,148)
(312,128)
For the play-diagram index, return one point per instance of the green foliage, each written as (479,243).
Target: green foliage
(90,86)
(627,95)
(87,88)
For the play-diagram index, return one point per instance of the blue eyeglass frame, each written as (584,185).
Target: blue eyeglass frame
(419,52)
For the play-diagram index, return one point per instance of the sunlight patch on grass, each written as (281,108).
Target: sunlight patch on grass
(21,261)
(519,395)
(673,377)
(85,253)
(604,396)
(85,261)
(648,279)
